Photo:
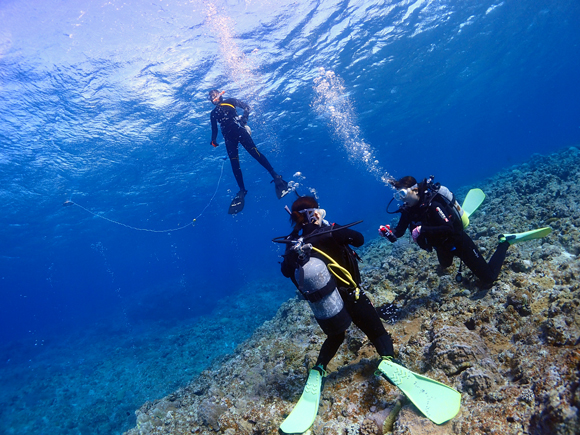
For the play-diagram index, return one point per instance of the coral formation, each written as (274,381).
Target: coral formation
(510,349)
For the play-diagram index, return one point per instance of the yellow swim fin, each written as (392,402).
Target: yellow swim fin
(512,239)
(438,402)
(472,201)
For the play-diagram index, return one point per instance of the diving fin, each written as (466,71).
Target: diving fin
(237,204)
(438,402)
(304,413)
(512,239)
(472,201)
(282,188)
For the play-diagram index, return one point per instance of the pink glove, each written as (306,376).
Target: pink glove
(416,233)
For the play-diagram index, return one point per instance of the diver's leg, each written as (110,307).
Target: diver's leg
(329,349)
(497,259)
(445,257)
(232,149)
(280,185)
(364,315)
(473,259)
(248,143)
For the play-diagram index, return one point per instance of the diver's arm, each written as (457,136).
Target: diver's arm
(347,236)
(402,225)
(246,108)
(287,270)
(289,263)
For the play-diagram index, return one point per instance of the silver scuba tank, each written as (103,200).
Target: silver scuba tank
(448,195)
(318,287)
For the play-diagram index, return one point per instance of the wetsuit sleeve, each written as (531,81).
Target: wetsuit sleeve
(247,109)
(288,265)
(402,225)
(214,128)
(440,222)
(290,262)
(348,237)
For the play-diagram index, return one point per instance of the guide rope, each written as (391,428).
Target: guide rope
(192,223)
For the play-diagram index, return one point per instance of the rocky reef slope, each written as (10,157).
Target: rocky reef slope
(512,350)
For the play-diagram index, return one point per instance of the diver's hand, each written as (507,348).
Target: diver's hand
(386,232)
(416,233)
(214,144)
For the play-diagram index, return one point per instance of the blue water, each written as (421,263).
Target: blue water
(104,105)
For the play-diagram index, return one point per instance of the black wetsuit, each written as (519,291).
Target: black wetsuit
(363,313)
(442,230)
(225,113)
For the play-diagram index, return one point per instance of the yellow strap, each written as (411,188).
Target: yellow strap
(226,104)
(334,264)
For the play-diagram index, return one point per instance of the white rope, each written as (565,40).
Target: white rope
(156,231)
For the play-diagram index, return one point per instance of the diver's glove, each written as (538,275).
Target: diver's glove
(214,144)
(416,233)
(386,232)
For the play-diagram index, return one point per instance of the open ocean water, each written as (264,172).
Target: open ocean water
(103,104)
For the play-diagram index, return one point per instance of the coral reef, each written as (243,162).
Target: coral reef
(511,349)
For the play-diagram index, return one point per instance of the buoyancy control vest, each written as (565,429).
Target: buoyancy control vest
(434,189)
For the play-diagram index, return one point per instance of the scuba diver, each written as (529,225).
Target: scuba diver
(235,130)
(314,247)
(437,221)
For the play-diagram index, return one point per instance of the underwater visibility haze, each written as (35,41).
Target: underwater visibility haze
(105,146)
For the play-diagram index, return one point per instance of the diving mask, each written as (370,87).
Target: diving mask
(214,96)
(311,216)
(402,194)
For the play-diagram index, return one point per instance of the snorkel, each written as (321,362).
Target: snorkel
(215,96)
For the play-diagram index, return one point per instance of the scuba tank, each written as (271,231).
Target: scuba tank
(318,287)
(457,209)
(449,197)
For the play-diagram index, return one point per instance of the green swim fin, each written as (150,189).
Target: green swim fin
(472,201)
(304,413)
(512,239)
(435,400)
